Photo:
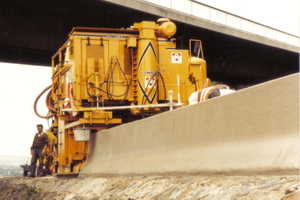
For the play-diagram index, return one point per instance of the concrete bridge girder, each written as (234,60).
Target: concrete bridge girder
(186,11)
(33,37)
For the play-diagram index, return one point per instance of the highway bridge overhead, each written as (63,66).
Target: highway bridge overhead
(237,51)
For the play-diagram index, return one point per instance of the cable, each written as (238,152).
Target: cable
(156,83)
(92,87)
(49,101)
(35,103)
(143,102)
(111,77)
(128,87)
(163,84)
(110,83)
(117,61)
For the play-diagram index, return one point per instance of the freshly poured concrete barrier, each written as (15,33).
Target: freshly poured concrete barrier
(251,131)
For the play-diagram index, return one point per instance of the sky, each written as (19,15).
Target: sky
(20,84)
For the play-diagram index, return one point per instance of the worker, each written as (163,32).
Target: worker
(38,150)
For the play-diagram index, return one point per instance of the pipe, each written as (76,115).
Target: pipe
(178,88)
(171,104)
(171,99)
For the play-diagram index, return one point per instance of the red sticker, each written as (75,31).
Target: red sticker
(176,57)
(149,82)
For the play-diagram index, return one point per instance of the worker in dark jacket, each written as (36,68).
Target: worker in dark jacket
(38,150)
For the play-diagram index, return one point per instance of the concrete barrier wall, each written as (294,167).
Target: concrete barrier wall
(251,131)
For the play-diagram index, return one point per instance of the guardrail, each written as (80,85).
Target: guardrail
(199,10)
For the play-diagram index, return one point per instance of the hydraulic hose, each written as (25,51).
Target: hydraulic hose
(48,101)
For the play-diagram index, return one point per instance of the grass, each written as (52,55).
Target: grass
(30,192)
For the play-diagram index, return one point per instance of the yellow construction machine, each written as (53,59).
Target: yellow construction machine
(105,77)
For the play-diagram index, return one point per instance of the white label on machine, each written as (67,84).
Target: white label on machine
(148,72)
(149,82)
(176,57)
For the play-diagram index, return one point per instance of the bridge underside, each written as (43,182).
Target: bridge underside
(32,31)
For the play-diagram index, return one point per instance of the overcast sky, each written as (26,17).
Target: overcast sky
(21,84)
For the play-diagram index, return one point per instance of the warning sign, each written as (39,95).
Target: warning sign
(176,57)
(149,82)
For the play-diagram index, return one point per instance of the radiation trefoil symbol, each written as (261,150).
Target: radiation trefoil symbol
(176,57)
(149,83)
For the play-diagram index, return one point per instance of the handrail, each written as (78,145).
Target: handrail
(214,15)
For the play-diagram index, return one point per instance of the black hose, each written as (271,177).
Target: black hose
(108,91)
(156,83)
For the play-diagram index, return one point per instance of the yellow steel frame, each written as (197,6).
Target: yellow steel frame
(108,67)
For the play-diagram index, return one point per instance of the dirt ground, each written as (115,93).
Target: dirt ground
(152,187)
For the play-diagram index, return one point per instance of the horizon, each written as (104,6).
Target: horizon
(8,160)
